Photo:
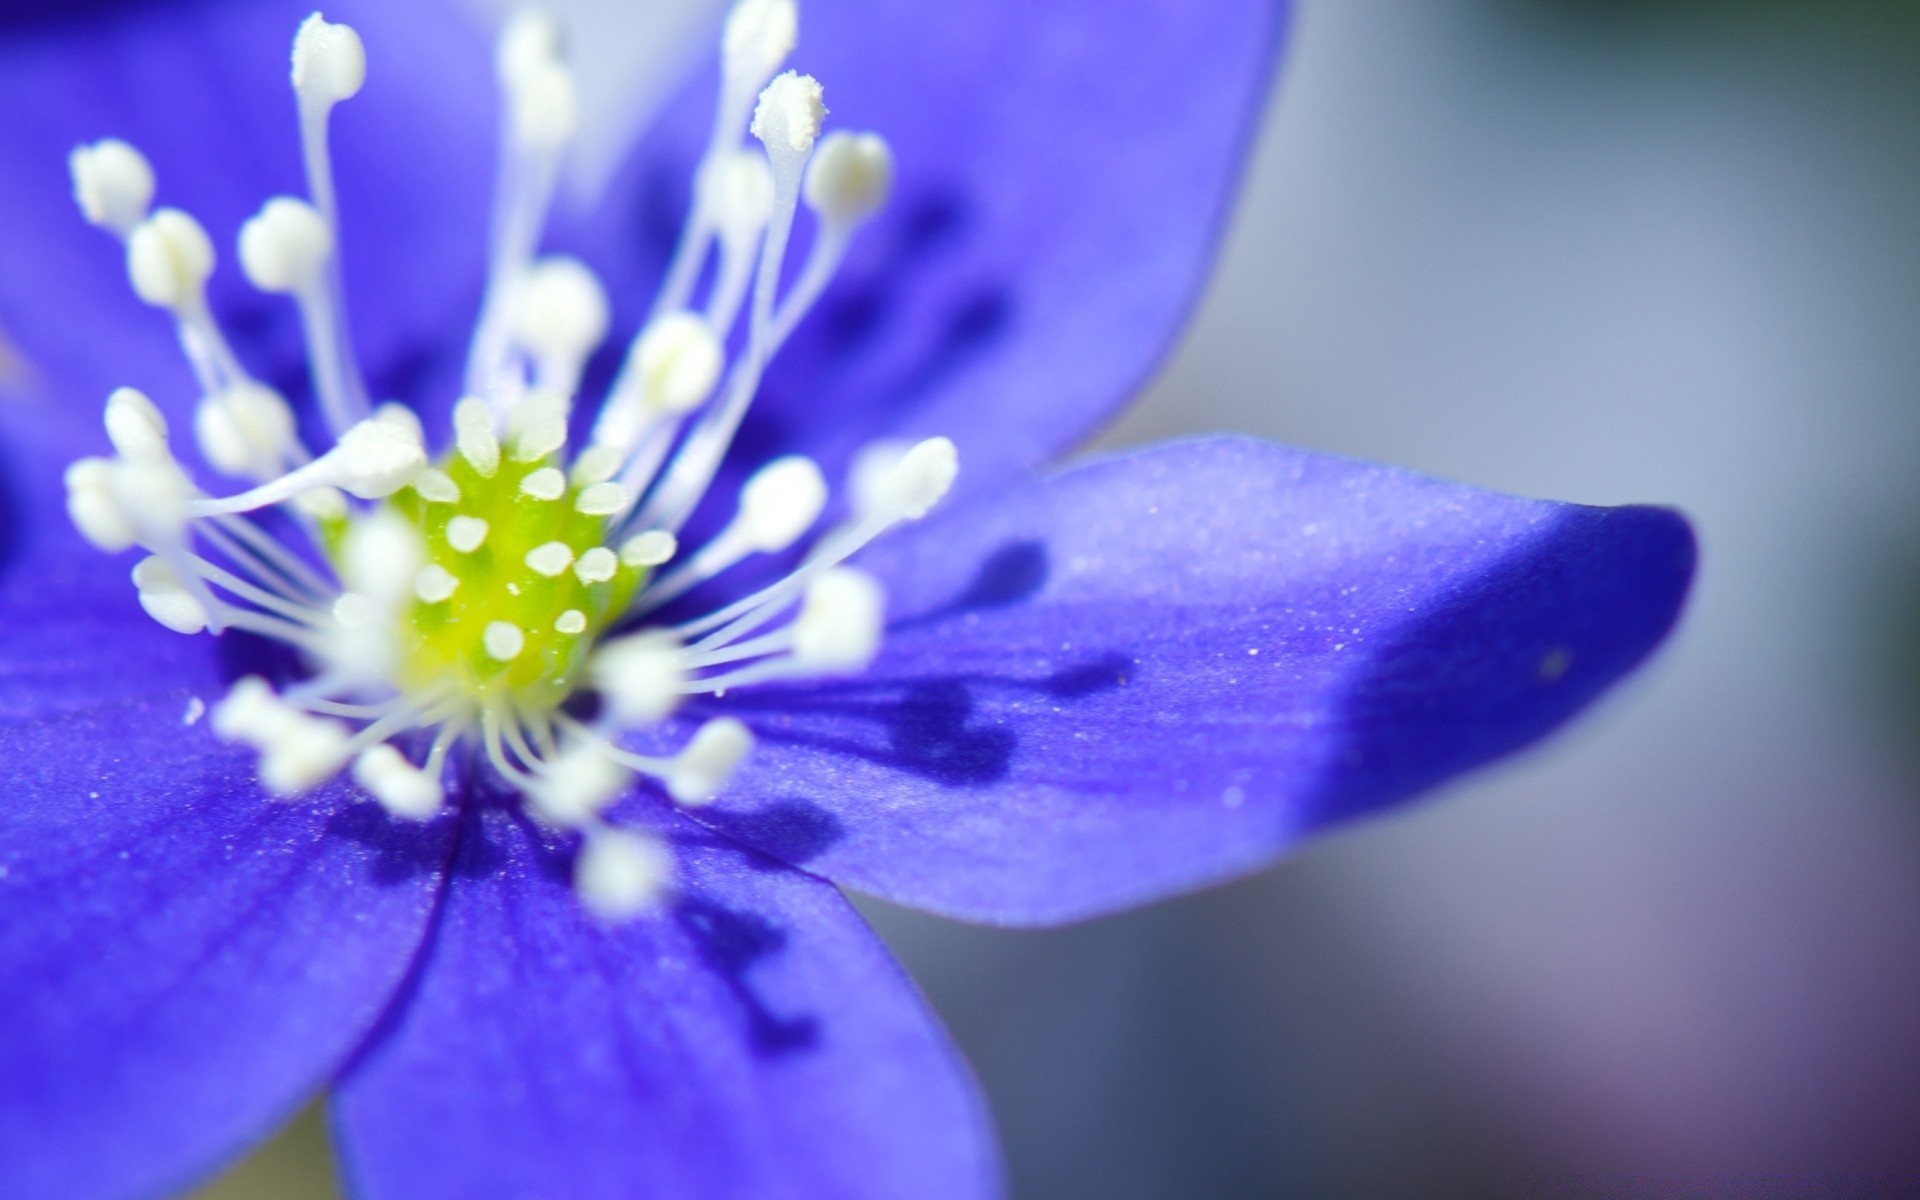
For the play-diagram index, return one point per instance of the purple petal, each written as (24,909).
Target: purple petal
(184,959)
(1161,670)
(203,90)
(753,1040)
(1062,172)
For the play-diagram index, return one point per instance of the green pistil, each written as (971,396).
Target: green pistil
(443,642)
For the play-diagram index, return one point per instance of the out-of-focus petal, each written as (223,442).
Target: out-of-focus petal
(751,1039)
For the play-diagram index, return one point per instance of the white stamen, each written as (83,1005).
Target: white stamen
(601,500)
(503,640)
(466,534)
(577,784)
(544,104)
(539,424)
(372,460)
(166,598)
(550,559)
(435,583)
(649,549)
(401,788)
(169,259)
(297,751)
(597,565)
(671,369)
(780,502)
(474,436)
(381,555)
(709,760)
(548,483)
(596,464)
(285,247)
(758,37)
(354,611)
(530,37)
(329,65)
(840,621)
(571,622)
(789,115)
(329,62)
(246,430)
(639,676)
(136,428)
(910,486)
(563,315)
(93,507)
(112,183)
(850,177)
(620,875)
(436,487)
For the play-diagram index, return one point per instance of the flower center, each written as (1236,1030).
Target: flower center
(454,607)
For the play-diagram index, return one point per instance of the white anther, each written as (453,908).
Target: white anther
(245,430)
(758,37)
(601,500)
(788,117)
(562,310)
(596,464)
(466,534)
(297,751)
(155,495)
(329,62)
(248,711)
(504,640)
(639,677)
(112,184)
(738,188)
(649,549)
(376,458)
(286,246)
(530,37)
(840,621)
(620,875)
(597,565)
(780,502)
(550,559)
(354,610)
(169,258)
(434,583)
(539,425)
(680,361)
(322,504)
(545,484)
(436,487)
(850,176)
(571,622)
(304,756)
(474,437)
(576,784)
(403,419)
(709,760)
(167,598)
(94,509)
(136,428)
(380,555)
(545,104)
(403,789)
(908,487)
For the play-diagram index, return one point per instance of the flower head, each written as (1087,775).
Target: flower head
(601,673)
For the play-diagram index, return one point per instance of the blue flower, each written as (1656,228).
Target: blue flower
(523,975)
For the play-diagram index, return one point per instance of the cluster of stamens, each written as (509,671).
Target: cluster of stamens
(460,605)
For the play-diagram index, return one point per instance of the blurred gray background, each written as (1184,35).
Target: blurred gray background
(1602,250)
